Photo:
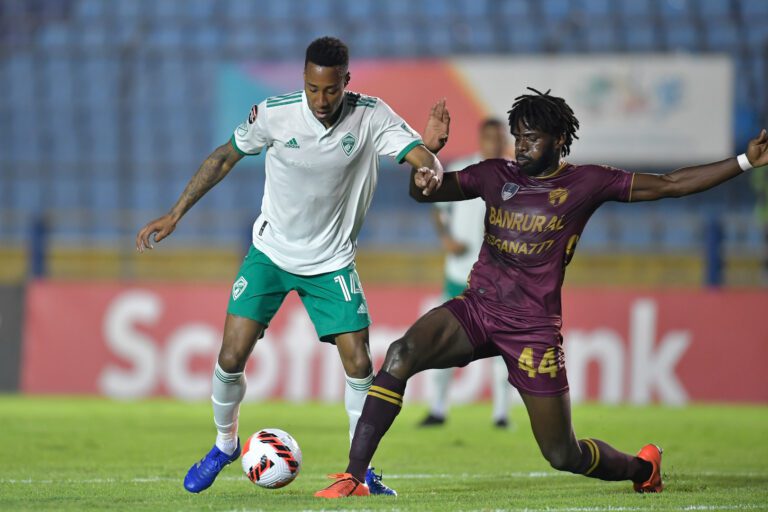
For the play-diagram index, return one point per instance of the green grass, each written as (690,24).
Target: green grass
(90,454)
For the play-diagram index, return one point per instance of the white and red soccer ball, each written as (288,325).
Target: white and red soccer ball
(271,458)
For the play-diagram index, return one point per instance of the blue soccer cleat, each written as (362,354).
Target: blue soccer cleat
(202,474)
(375,486)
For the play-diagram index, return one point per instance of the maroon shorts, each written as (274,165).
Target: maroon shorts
(533,353)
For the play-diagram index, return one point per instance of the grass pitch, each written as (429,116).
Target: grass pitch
(93,454)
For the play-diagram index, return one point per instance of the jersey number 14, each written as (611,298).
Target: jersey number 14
(354,285)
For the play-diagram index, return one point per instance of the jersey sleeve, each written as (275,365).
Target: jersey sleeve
(391,134)
(614,184)
(471,180)
(252,135)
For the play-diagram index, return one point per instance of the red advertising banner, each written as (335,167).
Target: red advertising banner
(133,341)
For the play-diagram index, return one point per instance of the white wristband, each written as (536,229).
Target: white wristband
(744,162)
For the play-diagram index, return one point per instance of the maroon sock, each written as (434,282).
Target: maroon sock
(382,405)
(601,460)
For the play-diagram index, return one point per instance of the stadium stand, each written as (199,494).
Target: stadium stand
(101,132)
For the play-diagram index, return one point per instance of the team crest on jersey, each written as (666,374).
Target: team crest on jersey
(509,190)
(558,196)
(239,287)
(253,114)
(348,143)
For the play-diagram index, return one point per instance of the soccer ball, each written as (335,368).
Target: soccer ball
(271,458)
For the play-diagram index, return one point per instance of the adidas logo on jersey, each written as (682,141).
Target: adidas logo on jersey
(363,309)
(292,144)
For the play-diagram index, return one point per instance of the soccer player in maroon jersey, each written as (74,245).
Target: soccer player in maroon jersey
(537,208)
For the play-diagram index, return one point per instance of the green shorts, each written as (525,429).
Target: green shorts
(334,301)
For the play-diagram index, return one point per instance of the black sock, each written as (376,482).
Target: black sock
(382,405)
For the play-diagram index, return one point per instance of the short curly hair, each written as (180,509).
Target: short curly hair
(547,113)
(327,51)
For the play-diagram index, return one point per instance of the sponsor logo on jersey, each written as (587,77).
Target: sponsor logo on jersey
(239,287)
(348,143)
(292,144)
(253,114)
(558,196)
(509,190)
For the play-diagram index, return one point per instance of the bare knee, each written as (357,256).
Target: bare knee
(358,365)
(235,350)
(401,358)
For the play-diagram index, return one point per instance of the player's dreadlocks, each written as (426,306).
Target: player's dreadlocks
(327,51)
(546,113)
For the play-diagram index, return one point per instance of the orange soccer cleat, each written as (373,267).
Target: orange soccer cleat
(652,454)
(345,485)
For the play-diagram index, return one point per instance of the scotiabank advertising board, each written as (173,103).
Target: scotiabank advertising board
(135,341)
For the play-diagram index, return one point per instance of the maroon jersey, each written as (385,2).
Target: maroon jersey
(532,226)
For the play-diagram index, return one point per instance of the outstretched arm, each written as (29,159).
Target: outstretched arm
(213,169)
(690,180)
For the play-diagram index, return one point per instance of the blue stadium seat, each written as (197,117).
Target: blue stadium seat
(523,38)
(641,37)
(90,9)
(313,11)
(673,10)
(471,8)
(722,36)
(26,195)
(396,11)
(713,9)
(55,36)
(636,9)
(402,40)
(601,37)
(359,11)
(681,36)
(243,12)
(514,12)
(753,11)
(439,40)
(480,37)
(596,9)
(22,77)
(756,38)
(555,11)
(365,43)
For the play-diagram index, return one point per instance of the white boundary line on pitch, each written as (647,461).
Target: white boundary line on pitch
(404,476)
(686,508)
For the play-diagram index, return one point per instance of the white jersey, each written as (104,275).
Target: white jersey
(465,221)
(320,180)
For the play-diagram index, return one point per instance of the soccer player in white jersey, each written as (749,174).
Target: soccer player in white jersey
(323,144)
(461,227)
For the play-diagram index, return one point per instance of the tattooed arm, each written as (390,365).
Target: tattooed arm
(213,169)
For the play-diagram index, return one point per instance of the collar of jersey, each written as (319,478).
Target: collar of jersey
(316,126)
(563,165)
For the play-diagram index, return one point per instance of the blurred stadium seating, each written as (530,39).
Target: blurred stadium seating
(107,109)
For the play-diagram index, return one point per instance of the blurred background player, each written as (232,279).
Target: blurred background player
(461,226)
(323,145)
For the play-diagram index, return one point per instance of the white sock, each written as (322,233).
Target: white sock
(441,380)
(228,392)
(500,389)
(355,392)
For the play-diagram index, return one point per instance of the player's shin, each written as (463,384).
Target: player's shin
(384,401)
(355,392)
(228,392)
(600,460)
